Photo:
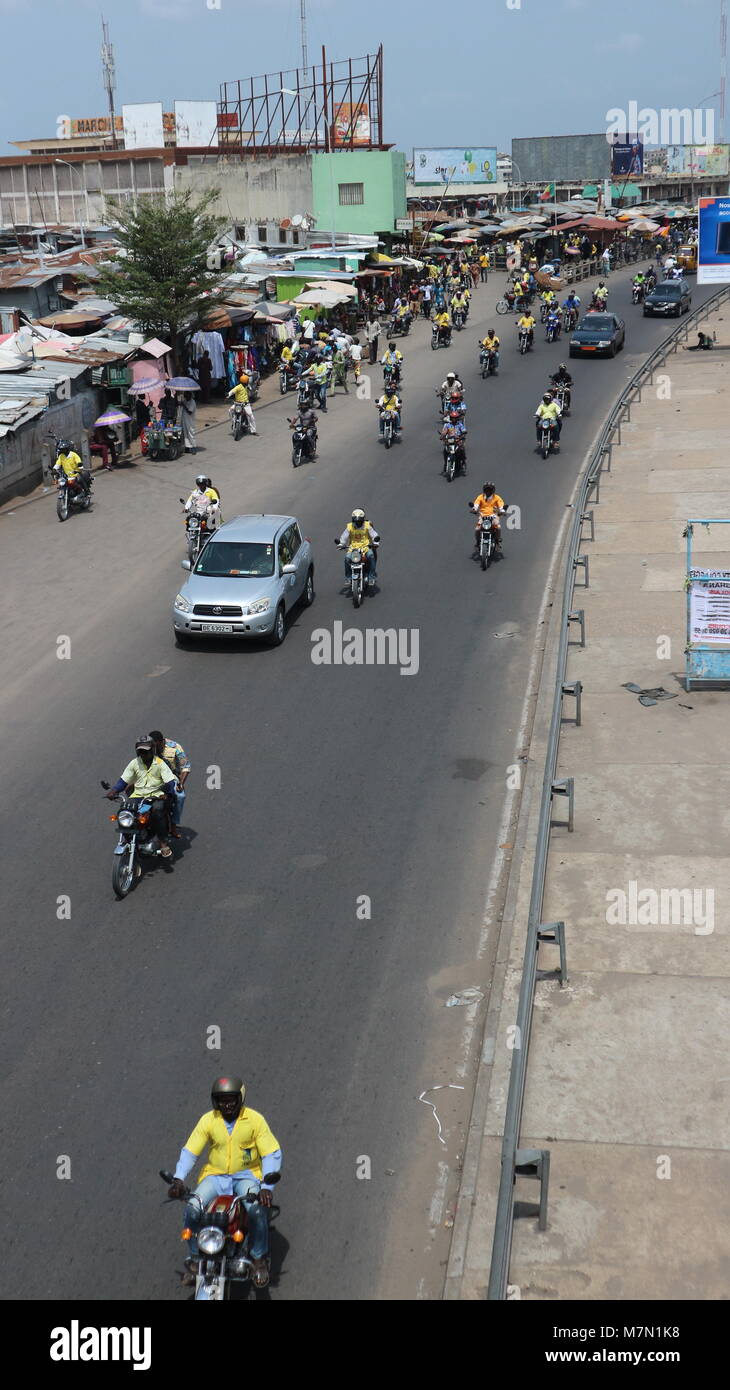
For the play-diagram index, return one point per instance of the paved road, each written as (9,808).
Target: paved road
(336,782)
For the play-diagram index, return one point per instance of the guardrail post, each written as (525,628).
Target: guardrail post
(553,934)
(535,1163)
(582,560)
(578,617)
(588,516)
(595,486)
(606,451)
(618,431)
(575,689)
(564,788)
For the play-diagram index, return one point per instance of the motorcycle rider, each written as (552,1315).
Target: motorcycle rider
(241,397)
(389,402)
(601,295)
(639,282)
(451,383)
(148,776)
(360,534)
(548,409)
(490,343)
(488,503)
(391,362)
(454,429)
(553,321)
(442,322)
(572,304)
(242,1151)
(455,401)
(205,499)
(563,378)
(178,762)
(71,463)
(527,322)
(306,421)
(459,305)
(319,374)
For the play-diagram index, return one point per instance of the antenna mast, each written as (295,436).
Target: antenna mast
(107,60)
(303,25)
(723,66)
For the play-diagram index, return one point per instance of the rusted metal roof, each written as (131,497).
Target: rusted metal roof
(22,278)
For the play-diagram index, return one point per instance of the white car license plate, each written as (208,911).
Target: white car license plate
(216,627)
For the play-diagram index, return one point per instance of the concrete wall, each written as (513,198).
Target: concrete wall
(46,191)
(250,190)
(383,176)
(26,452)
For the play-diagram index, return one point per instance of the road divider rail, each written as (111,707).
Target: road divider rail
(535,1163)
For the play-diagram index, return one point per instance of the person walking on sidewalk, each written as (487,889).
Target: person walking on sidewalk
(372,333)
(189,412)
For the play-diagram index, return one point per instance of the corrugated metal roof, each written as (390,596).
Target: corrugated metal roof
(16,278)
(9,424)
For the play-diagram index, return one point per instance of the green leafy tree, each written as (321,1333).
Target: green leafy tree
(162,279)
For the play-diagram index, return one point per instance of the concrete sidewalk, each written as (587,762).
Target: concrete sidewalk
(629,1076)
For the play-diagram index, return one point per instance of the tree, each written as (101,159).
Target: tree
(162,279)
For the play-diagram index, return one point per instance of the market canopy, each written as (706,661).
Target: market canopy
(333,287)
(325,299)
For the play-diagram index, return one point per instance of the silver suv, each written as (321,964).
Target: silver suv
(246,579)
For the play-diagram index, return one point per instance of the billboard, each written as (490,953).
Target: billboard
(452,164)
(562,158)
(713,257)
(627,156)
(143,128)
(697,159)
(351,124)
(196,123)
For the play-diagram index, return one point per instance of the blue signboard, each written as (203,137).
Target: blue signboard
(713,256)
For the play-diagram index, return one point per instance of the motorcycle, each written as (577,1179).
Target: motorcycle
(223,1242)
(358,582)
(164,440)
(552,331)
(391,377)
(440,337)
(305,394)
(197,533)
(389,434)
(135,838)
(637,294)
(239,420)
(287,378)
(548,437)
(70,492)
(488,361)
(562,395)
(458,319)
(544,310)
(303,446)
(570,319)
(454,459)
(488,539)
(598,303)
(524,340)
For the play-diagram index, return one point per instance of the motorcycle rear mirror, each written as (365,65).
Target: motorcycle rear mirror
(182,499)
(185,565)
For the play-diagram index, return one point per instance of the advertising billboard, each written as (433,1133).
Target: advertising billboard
(351,124)
(627,157)
(196,123)
(713,256)
(449,164)
(697,159)
(143,128)
(561,158)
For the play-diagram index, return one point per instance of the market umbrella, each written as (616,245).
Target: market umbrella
(181,383)
(113,417)
(643,224)
(145,384)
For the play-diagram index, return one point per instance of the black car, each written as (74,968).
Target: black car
(598,333)
(669,297)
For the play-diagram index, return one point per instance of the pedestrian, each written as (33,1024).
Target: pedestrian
(168,408)
(606,261)
(426,298)
(205,371)
(189,411)
(372,333)
(141,414)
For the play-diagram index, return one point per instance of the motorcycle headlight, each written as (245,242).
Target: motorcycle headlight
(211,1240)
(261,605)
(182,603)
(125,820)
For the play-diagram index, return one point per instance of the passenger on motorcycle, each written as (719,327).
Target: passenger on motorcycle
(563,378)
(148,776)
(443,324)
(392,360)
(240,397)
(291,358)
(389,403)
(526,321)
(319,373)
(178,762)
(454,429)
(455,401)
(306,421)
(205,499)
(360,534)
(490,343)
(487,503)
(548,409)
(242,1151)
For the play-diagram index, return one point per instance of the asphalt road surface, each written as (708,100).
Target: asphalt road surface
(335,782)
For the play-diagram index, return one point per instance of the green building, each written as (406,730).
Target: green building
(359,191)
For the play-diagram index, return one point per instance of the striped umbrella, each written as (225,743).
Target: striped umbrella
(145,384)
(113,417)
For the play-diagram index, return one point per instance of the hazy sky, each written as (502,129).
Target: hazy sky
(476,73)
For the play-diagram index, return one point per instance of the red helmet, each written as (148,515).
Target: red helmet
(453,415)
(455,395)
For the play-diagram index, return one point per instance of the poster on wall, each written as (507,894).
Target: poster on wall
(709,607)
(627,157)
(351,124)
(449,164)
(713,253)
(143,126)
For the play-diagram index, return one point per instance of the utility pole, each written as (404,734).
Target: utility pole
(107,60)
(723,67)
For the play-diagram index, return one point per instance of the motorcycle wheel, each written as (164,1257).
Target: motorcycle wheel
(545,450)
(387,438)
(502,306)
(434,343)
(282,385)
(62,507)
(122,874)
(357,594)
(154,453)
(192,550)
(237,432)
(450,470)
(483,556)
(296,458)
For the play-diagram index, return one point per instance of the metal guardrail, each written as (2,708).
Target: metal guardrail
(535,1163)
